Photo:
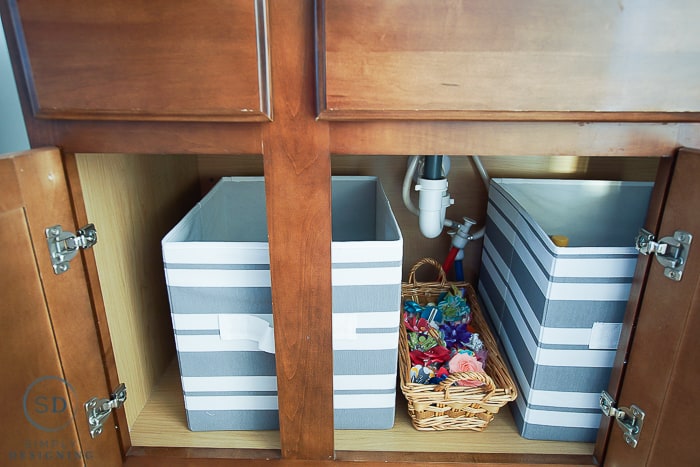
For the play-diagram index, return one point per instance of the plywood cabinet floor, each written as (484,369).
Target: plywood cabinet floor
(162,423)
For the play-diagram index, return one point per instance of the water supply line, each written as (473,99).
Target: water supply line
(447,265)
(460,235)
(459,267)
(460,238)
(407,181)
(476,160)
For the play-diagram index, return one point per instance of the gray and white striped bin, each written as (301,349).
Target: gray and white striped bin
(558,310)
(217,270)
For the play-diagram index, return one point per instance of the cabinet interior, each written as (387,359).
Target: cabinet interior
(135,199)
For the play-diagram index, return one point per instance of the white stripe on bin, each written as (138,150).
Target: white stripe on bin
(231,402)
(228,383)
(366,276)
(216,253)
(366,382)
(217,278)
(212,343)
(370,341)
(366,252)
(206,321)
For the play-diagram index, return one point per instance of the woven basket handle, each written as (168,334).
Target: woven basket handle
(488,387)
(427,261)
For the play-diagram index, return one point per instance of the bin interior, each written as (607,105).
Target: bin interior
(591,213)
(234,211)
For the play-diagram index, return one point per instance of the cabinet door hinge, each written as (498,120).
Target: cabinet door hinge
(670,252)
(98,410)
(630,419)
(64,245)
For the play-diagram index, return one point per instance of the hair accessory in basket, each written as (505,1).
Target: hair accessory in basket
(455,335)
(466,361)
(434,356)
(421,342)
(453,306)
(415,324)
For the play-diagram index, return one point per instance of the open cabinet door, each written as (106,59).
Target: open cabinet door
(50,352)
(661,376)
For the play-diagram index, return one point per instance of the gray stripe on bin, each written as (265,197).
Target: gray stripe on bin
(196,300)
(366,298)
(247,363)
(365,362)
(213,420)
(239,363)
(231,267)
(344,419)
(257,300)
(364,419)
(377,330)
(197,332)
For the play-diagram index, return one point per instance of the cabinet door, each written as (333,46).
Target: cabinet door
(145,59)
(50,353)
(661,375)
(508,59)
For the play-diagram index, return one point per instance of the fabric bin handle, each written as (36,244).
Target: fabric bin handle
(247,327)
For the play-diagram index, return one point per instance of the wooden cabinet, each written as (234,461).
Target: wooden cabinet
(142,190)
(507,60)
(146,60)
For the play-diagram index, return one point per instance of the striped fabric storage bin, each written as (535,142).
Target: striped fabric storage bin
(217,271)
(558,310)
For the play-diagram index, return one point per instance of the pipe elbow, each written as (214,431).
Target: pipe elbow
(430,223)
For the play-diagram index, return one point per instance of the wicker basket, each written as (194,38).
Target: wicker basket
(446,406)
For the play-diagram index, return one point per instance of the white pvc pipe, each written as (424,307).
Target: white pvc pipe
(431,218)
(432,203)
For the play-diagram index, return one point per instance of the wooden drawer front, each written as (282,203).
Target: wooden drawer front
(509,59)
(146,59)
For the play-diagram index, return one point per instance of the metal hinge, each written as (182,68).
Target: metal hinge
(630,419)
(64,245)
(98,410)
(670,252)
